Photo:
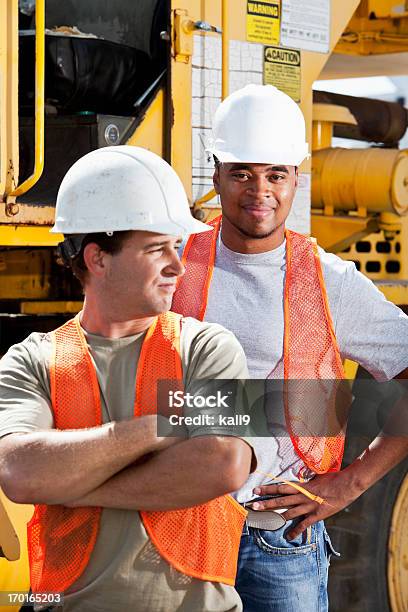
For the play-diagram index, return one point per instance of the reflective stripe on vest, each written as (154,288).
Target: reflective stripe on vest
(202,541)
(310,349)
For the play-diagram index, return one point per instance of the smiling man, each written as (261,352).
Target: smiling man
(123,517)
(297,312)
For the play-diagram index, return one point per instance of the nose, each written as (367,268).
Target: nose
(175,267)
(260,186)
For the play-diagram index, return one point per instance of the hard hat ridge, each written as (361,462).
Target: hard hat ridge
(259,124)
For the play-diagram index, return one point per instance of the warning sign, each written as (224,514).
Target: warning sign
(282,69)
(263,22)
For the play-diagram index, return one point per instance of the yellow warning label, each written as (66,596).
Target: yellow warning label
(263,21)
(282,69)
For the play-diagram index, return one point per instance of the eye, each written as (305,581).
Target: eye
(277,178)
(241,176)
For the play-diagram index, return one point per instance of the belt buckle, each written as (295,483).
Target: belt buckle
(269,520)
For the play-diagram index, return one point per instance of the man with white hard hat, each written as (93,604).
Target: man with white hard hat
(297,312)
(124,518)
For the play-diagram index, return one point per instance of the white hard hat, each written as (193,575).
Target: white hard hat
(122,188)
(259,124)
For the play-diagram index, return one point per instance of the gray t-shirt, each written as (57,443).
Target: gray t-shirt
(125,571)
(246,296)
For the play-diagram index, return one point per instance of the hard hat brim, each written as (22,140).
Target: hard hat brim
(171,228)
(285,158)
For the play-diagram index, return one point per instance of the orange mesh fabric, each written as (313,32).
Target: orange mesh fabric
(60,539)
(60,542)
(190,298)
(310,353)
(310,348)
(202,541)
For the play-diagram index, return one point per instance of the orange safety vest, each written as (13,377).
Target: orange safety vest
(202,541)
(310,349)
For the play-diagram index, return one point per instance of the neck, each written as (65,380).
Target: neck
(236,241)
(98,320)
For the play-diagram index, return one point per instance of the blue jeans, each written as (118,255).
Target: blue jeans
(275,575)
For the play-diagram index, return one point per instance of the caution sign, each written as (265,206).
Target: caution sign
(263,22)
(282,69)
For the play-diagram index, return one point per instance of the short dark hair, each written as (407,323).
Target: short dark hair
(111,244)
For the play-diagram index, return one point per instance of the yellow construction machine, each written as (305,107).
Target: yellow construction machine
(79,75)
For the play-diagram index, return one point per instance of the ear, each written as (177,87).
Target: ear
(95,259)
(216,179)
(296,176)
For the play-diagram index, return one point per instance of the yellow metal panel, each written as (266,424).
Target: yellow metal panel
(394,292)
(50,307)
(383,261)
(336,233)
(25,274)
(350,369)
(23,235)
(8,96)
(150,132)
(9,542)
(14,575)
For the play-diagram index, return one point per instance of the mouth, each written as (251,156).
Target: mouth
(259,211)
(168,288)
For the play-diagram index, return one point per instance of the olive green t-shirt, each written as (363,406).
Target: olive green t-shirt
(125,571)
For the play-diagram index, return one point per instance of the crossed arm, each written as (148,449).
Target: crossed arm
(96,467)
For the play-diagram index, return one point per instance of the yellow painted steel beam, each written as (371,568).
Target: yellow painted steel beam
(9,160)
(336,233)
(39,141)
(55,307)
(26,236)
